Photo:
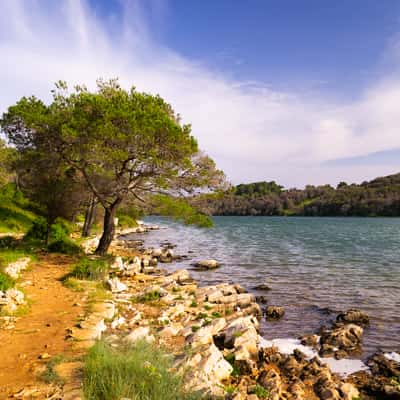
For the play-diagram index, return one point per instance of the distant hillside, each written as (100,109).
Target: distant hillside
(379,197)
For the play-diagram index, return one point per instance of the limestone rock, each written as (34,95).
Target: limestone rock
(341,340)
(274,312)
(206,369)
(353,317)
(141,333)
(207,264)
(115,285)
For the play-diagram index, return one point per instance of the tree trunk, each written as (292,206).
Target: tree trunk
(89,217)
(108,229)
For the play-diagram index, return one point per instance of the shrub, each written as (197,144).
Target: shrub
(140,372)
(150,296)
(126,221)
(60,230)
(38,230)
(91,269)
(6,282)
(64,246)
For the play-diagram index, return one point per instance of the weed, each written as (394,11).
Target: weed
(216,314)
(261,392)
(195,328)
(140,372)
(50,375)
(6,282)
(207,307)
(201,316)
(193,303)
(91,269)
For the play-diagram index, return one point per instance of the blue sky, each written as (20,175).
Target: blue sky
(303,91)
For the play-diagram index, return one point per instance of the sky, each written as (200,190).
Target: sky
(300,92)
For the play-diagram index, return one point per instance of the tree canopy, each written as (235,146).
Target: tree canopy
(115,143)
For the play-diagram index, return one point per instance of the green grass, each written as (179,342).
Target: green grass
(8,256)
(50,375)
(90,269)
(149,297)
(13,218)
(261,392)
(6,282)
(139,372)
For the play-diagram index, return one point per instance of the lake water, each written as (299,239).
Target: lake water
(315,267)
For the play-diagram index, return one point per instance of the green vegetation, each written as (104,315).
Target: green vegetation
(193,303)
(261,392)
(90,269)
(50,375)
(231,360)
(195,328)
(180,210)
(6,282)
(15,210)
(379,197)
(140,372)
(107,147)
(149,297)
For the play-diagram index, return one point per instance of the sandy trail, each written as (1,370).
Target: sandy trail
(54,308)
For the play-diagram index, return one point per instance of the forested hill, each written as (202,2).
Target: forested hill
(379,197)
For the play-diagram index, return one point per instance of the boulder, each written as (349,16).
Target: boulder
(141,333)
(115,285)
(353,317)
(118,264)
(205,371)
(262,286)
(349,391)
(272,381)
(274,312)
(205,334)
(341,340)
(207,264)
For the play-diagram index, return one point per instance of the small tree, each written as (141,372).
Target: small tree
(123,143)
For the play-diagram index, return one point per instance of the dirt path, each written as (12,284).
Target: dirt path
(54,308)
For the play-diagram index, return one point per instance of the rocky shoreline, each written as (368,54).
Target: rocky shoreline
(213,332)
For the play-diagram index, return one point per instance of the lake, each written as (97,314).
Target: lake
(315,268)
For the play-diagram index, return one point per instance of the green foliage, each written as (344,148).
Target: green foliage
(154,295)
(6,282)
(231,360)
(216,314)
(180,210)
(193,303)
(195,328)
(140,372)
(64,246)
(261,392)
(15,213)
(50,375)
(257,188)
(379,197)
(91,269)
(38,230)
(126,221)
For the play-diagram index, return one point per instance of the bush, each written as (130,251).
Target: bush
(64,246)
(125,221)
(60,230)
(38,230)
(140,372)
(91,269)
(6,282)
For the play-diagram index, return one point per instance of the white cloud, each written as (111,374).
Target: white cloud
(251,130)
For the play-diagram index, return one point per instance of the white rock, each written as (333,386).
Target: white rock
(118,264)
(207,264)
(116,286)
(118,322)
(206,370)
(141,333)
(14,269)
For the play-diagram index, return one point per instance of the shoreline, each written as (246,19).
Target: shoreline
(196,317)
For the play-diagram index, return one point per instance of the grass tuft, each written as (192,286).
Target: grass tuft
(140,372)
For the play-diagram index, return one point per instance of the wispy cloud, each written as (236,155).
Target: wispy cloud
(253,131)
